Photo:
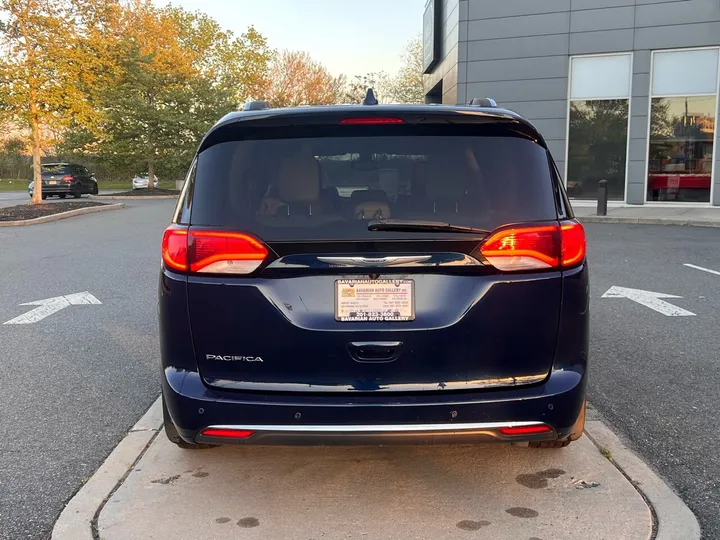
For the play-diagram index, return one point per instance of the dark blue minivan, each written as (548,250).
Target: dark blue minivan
(373,274)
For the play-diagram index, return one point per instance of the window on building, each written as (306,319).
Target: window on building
(683,113)
(598,130)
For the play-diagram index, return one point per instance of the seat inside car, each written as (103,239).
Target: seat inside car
(297,196)
(370,204)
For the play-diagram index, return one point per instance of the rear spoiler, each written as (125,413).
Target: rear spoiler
(316,121)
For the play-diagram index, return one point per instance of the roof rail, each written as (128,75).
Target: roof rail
(257,105)
(370,98)
(482,102)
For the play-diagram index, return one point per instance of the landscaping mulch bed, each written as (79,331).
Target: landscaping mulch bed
(23,212)
(144,192)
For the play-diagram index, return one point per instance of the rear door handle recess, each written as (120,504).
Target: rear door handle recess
(375,351)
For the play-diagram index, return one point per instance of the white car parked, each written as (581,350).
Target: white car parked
(141,181)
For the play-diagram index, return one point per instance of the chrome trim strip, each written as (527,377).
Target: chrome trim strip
(378,428)
(400,260)
(392,261)
(361,344)
(384,388)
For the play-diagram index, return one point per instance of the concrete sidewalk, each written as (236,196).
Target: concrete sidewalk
(498,492)
(650,214)
(503,492)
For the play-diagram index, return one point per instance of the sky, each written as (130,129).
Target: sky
(353,37)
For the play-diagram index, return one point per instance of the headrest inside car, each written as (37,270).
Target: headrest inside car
(299,179)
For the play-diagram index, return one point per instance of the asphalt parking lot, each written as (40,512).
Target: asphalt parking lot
(76,380)
(654,377)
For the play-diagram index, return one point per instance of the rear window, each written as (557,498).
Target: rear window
(56,169)
(330,187)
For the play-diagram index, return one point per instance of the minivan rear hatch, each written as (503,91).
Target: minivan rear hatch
(56,173)
(346,255)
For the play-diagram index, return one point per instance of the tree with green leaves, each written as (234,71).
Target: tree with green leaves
(237,63)
(13,158)
(178,74)
(407,85)
(38,41)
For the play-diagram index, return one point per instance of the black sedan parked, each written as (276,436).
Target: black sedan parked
(64,179)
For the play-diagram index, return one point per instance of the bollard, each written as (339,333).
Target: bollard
(602,198)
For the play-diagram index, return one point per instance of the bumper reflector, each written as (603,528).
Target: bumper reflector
(227,433)
(525,430)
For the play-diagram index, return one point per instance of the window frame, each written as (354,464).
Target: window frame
(651,96)
(631,54)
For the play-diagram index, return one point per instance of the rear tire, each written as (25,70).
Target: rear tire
(61,195)
(172,433)
(43,196)
(77,194)
(95,190)
(575,434)
(549,444)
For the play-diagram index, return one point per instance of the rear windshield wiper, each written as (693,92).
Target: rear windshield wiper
(413,225)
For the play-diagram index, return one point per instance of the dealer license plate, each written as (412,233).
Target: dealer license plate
(366,300)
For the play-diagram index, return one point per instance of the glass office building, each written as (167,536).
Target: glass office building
(622,90)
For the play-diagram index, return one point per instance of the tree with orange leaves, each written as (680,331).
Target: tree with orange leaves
(296,79)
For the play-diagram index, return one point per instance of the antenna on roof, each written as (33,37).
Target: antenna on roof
(370,98)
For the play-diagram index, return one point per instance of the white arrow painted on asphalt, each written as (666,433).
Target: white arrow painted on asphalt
(649,299)
(52,305)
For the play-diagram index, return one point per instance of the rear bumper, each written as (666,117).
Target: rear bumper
(440,417)
(376,434)
(59,188)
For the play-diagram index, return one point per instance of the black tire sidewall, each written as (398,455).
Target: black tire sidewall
(170,429)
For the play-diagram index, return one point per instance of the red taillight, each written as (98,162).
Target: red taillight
(214,252)
(67,178)
(525,430)
(227,433)
(221,252)
(523,248)
(573,243)
(536,247)
(372,120)
(174,248)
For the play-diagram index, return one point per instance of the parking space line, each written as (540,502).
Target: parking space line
(701,268)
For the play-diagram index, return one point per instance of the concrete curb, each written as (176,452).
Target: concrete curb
(133,197)
(675,521)
(649,221)
(76,519)
(62,215)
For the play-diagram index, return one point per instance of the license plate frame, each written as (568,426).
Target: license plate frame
(374,300)
(52,182)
